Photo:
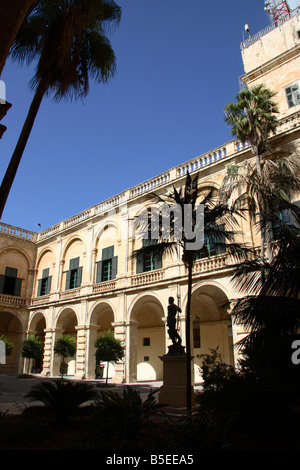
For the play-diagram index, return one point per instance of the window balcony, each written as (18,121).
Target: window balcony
(12,300)
(147,277)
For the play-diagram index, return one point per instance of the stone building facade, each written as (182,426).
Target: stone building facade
(79,278)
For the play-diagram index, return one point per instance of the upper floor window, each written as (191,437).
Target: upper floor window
(214,244)
(74,274)
(285,218)
(150,260)
(293,95)
(10,284)
(107,267)
(44,284)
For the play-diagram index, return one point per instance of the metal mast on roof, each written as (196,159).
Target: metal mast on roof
(278,9)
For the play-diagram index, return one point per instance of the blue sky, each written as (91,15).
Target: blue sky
(178,65)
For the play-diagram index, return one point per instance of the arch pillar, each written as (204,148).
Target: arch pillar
(131,351)
(51,361)
(119,333)
(26,360)
(90,365)
(81,361)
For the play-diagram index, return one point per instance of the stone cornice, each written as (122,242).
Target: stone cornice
(271,64)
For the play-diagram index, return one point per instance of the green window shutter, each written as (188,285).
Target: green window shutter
(18,284)
(11,272)
(79,276)
(74,263)
(140,264)
(114,267)
(99,272)
(39,289)
(68,279)
(2,279)
(220,241)
(107,253)
(45,273)
(49,284)
(157,262)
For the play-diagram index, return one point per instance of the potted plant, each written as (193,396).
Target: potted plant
(32,348)
(108,349)
(8,345)
(65,346)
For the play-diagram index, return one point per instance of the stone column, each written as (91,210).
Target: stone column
(27,362)
(119,333)
(90,363)
(48,352)
(131,351)
(80,352)
(55,359)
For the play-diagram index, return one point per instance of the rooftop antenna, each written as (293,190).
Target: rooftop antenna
(278,10)
(247,30)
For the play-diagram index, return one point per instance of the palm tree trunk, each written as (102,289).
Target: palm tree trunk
(188,343)
(20,147)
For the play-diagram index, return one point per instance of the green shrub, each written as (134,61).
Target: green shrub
(65,346)
(62,398)
(9,345)
(32,348)
(119,417)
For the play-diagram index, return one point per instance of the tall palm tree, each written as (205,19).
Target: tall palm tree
(216,214)
(67,39)
(270,310)
(253,119)
(268,194)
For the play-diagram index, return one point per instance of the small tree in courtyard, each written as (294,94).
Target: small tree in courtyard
(32,348)
(65,346)
(108,349)
(8,345)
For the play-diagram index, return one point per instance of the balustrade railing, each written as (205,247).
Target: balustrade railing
(17,232)
(69,294)
(212,263)
(227,151)
(150,185)
(251,40)
(12,300)
(104,287)
(148,277)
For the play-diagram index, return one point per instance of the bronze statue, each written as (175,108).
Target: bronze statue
(171,323)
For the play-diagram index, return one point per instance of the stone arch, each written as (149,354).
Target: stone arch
(74,248)
(106,252)
(71,241)
(15,257)
(45,261)
(101,319)
(208,185)
(211,326)
(106,224)
(43,253)
(13,328)
(147,337)
(37,327)
(66,323)
(19,250)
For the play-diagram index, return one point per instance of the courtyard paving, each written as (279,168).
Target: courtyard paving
(13,390)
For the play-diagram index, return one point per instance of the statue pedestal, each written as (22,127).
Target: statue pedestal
(173,390)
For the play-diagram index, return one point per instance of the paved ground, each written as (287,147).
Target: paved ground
(14,389)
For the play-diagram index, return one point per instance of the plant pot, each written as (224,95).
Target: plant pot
(99,371)
(63,368)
